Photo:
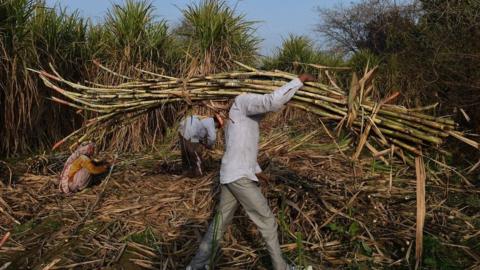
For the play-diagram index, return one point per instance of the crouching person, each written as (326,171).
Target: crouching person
(195,131)
(79,169)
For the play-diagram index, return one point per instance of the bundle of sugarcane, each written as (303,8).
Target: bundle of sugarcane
(391,127)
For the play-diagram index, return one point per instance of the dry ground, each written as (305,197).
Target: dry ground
(332,213)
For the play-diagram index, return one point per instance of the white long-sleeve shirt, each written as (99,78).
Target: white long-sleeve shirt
(242,131)
(195,129)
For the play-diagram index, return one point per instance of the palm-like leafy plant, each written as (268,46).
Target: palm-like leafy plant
(362,58)
(214,35)
(298,51)
(59,38)
(15,98)
(130,38)
(294,49)
(31,36)
(133,35)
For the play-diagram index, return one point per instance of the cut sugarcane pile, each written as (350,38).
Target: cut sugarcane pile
(389,126)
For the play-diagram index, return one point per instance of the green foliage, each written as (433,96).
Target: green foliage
(438,256)
(428,50)
(58,38)
(215,243)
(94,40)
(353,229)
(23,227)
(145,237)
(14,17)
(51,224)
(128,25)
(283,218)
(389,31)
(47,225)
(132,34)
(301,255)
(359,60)
(300,260)
(294,49)
(350,232)
(33,35)
(295,52)
(214,35)
(15,36)
(366,248)
(378,166)
(337,228)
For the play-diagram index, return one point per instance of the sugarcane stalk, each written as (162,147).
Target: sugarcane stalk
(426,129)
(419,115)
(120,103)
(410,118)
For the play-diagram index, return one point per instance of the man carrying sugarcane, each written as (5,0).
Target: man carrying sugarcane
(80,168)
(238,173)
(195,131)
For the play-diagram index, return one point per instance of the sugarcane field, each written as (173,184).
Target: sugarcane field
(239,134)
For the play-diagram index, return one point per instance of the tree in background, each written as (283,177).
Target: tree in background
(426,49)
(450,34)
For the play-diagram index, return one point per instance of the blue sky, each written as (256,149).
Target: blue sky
(277,18)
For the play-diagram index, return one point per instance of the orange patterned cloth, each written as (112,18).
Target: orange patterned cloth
(78,169)
(86,163)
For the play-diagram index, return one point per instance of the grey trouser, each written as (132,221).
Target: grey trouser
(243,192)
